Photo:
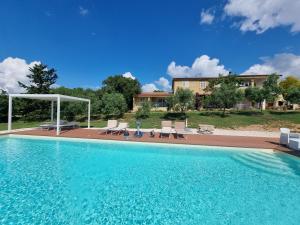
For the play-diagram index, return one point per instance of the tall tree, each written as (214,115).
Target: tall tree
(41,79)
(123,85)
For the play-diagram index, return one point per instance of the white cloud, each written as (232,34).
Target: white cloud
(13,70)
(261,15)
(128,75)
(83,11)
(206,17)
(203,66)
(149,87)
(164,84)
(284,63)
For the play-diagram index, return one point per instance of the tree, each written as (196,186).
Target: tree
(143,112)
(170,101)
(198,101)
(255,95)
(70,109)
(41,79)
(184,100)
(123,85)
(290,82)
(271,89)
(225,92)
(293,95)
(290,87)
(113,105)
(3,106)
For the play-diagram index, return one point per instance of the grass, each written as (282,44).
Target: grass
(234,119)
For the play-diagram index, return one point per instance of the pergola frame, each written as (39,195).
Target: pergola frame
(48,97)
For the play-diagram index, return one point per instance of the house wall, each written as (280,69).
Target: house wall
(156,102)
(192,85)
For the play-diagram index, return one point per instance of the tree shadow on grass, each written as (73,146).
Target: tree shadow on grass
(174,116)
(214,114)
(284,112)
(248,113)
(230,113)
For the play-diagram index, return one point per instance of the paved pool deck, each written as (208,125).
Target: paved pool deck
(193,139)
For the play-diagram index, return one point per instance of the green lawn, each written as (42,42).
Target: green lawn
(273,119)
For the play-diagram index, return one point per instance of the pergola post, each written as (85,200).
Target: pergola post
(58,116)
(52,111)
(9,113)
(89,115)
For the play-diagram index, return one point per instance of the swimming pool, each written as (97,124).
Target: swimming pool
(61,181)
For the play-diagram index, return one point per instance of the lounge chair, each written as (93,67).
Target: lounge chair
(70,125)
(111,124)
(166,128)
(181,129)
(206,129)
(65,125)
(294,143)
(284,136)
(52,125)
(120,128)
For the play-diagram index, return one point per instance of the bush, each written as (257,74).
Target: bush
(113,105)
(3,106)
(144,111)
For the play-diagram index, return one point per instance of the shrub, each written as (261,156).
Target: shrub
(113,105)
(144,111)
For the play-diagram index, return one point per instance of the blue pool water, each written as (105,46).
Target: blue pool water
(68,182)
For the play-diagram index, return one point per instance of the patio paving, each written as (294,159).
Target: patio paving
(195,139)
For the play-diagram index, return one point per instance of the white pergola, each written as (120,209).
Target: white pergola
(48,97)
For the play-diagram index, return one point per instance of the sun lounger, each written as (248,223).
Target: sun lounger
(120,128)
(52,125)
(206,129)
(294,143)
(70,125)
(166,128)
(111,124)
(65,125)
(181,129)
(284,136)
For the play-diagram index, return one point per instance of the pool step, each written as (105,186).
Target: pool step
(265,162)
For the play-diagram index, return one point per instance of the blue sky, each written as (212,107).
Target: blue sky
(88,40)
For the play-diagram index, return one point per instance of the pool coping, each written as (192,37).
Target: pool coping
(91,140)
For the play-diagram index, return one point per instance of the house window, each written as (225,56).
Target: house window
(185,84)
(245,84)
(202,84)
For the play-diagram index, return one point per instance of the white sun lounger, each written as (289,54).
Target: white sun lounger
(166,128)
(294,143)
(181,129)
(284,136)
(120,128)
(111,124)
